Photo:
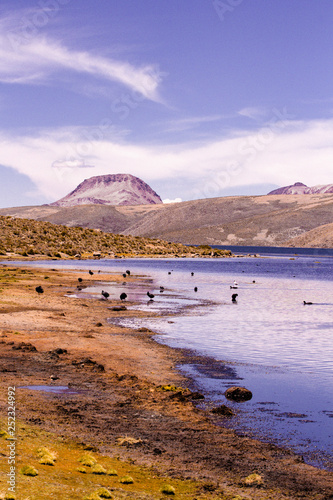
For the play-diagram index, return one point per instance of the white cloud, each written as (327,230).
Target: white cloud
(35,59)
(283,152)
(176,200)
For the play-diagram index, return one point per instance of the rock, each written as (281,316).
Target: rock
(223,410)
(238,394)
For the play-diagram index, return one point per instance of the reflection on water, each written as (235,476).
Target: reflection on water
(54,389)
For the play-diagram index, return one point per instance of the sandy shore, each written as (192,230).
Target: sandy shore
(116,375)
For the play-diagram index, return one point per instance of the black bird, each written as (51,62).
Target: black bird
(307,303)
(128,272)
(124,275)
(169,272)
(123,296)
(150,295)
(39,289)
(105,294)
(79,280)
(90,272)
(195,288)
(161,289)
(192,273)
(234,297)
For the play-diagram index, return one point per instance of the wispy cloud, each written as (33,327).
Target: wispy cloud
(253,112)
(35,59)
(56,161)
(183,124)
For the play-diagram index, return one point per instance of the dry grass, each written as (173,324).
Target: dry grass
(28,238)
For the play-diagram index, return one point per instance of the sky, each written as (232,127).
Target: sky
(198,98)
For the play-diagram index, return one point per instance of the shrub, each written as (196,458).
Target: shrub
(87,460)
(28,470)
(112,472)
(98,469)
(168,490)
(126,480)
(104,493)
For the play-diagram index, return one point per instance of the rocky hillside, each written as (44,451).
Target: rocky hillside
(30,238)
(275,220)
(300,188)
(113,189)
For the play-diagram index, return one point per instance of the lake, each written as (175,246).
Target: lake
(267,341)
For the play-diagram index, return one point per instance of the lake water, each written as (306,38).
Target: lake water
(268,341)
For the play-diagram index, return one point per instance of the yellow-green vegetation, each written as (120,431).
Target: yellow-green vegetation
(64,480)
(46,457)
(98,469)
(171,388)
(104,493)
(87,460)
(29,470)
(167,489)
(27,237)
(126,480)
(253,480)
(112,472)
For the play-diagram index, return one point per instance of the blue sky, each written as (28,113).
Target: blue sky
(199,98)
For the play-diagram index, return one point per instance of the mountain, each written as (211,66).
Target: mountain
(112,189)
(274,220)
(300,188)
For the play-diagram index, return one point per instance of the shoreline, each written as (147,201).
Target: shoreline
(120,392)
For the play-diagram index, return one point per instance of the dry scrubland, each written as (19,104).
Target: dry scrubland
(28,238)
(272,220)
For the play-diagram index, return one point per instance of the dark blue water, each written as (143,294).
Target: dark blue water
(272,343)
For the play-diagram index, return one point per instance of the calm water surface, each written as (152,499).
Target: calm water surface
(279,348)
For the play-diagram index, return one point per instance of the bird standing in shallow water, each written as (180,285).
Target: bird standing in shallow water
(150,295)
(307,303)
(234,297)
(195,288)
(123,296)
(90,272)
(105,294)
(39,289)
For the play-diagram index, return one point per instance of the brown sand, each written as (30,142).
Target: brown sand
(117,372)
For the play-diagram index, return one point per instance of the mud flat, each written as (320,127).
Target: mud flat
(86,386)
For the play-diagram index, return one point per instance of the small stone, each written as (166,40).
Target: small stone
(238,394)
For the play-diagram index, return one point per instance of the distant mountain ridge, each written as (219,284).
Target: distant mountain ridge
(112,189)
(300,188)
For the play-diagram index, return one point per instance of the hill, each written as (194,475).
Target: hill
(112,189)
(28,238)
(271,220)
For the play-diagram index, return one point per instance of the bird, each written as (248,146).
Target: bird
(124,275)
(161,289)
(128,272)
(192,273)
(169,272)
(39,289)
(234,297)
(307,303)
(150,295)
(123,296)
(195,288)
(105,294)
(90,272)
(79,280)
